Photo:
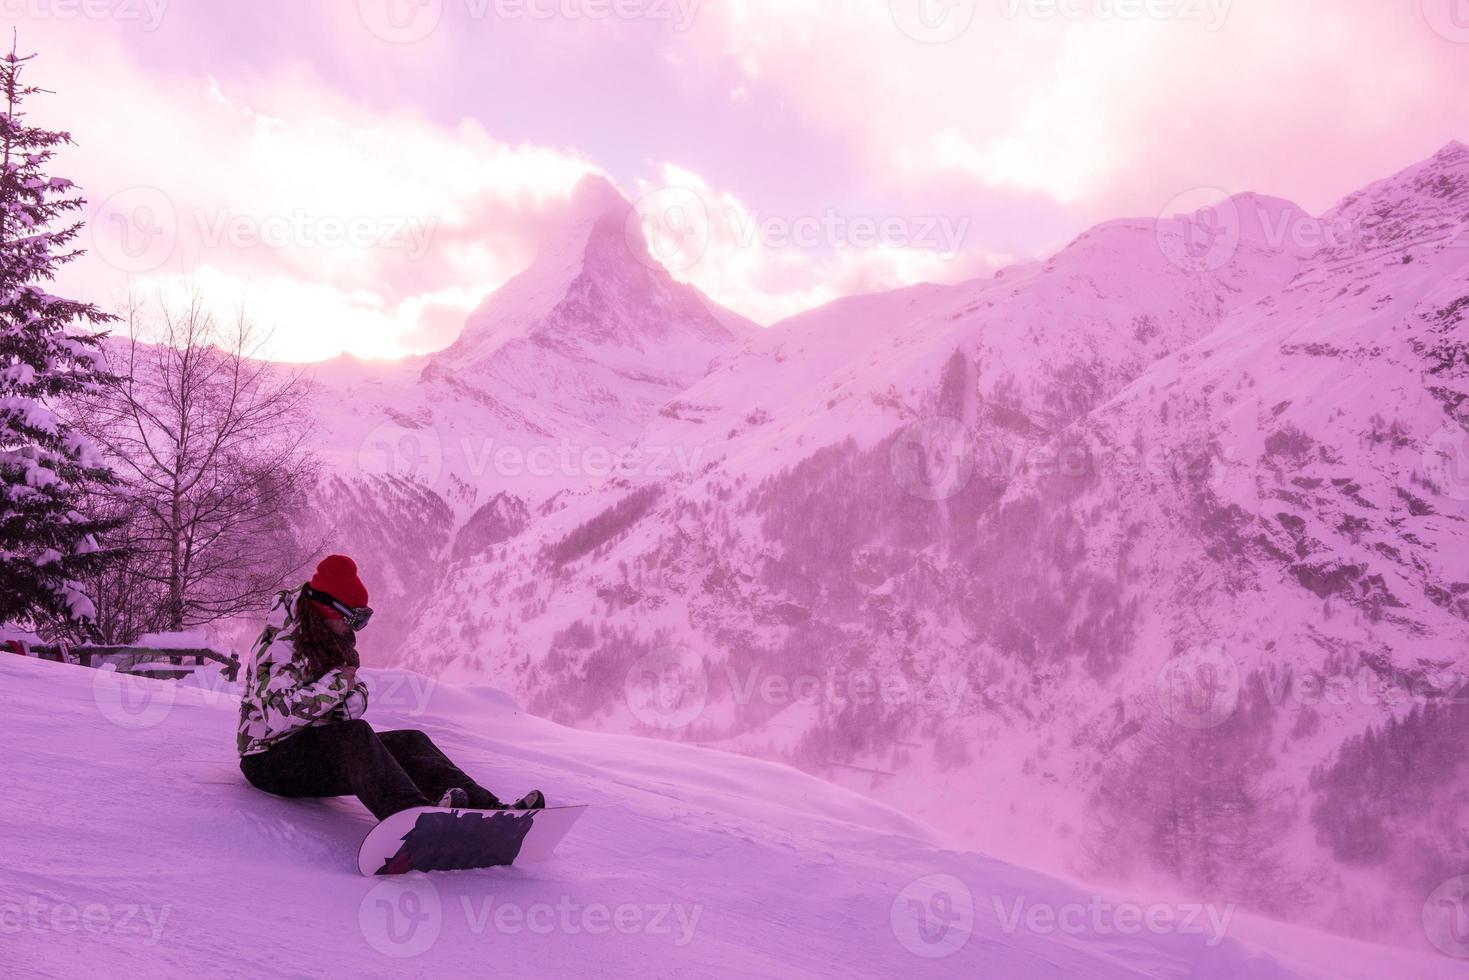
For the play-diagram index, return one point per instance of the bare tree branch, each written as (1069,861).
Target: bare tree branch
(210,442)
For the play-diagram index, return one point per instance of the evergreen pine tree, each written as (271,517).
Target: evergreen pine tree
(47,356)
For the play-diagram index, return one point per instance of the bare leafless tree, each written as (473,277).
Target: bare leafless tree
(209,441)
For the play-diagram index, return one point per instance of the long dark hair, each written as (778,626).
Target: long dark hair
(315,641)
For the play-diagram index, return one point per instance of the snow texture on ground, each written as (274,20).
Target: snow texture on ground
(135,849)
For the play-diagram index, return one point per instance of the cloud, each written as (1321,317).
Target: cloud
(1111,106)
(362,194)
(772,263)
(337,224)
(346,226)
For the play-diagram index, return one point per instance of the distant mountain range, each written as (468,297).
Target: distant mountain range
(1104,562)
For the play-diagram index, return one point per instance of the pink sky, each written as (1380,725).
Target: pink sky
(362,172)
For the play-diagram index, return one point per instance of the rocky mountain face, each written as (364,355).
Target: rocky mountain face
(1148,556)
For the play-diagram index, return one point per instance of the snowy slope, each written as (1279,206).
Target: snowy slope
(134,849)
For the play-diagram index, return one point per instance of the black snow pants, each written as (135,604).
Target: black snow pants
(387,771)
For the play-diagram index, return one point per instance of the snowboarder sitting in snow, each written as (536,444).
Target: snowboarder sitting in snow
(301,728)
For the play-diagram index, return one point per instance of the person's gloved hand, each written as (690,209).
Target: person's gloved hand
(355,704)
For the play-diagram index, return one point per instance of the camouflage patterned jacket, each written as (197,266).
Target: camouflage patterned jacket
(278,701)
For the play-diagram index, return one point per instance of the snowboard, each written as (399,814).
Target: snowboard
(431,838)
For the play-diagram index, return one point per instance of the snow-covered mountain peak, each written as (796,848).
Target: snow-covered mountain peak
(593,221)
(594,294)
(1450,149)
(1233,239)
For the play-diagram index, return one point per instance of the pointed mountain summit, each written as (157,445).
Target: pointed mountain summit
(594,327)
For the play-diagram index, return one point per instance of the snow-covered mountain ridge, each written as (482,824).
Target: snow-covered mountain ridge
(1210,447)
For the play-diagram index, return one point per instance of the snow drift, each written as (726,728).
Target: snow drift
(135,849)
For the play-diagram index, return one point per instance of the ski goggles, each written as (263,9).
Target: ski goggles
(356,617)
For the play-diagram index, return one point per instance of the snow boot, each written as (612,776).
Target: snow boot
(455,798)
(534,800)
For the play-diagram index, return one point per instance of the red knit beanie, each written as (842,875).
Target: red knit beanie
(337,577)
